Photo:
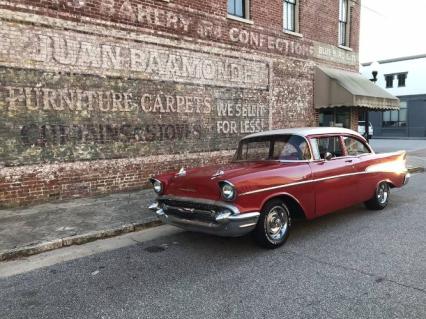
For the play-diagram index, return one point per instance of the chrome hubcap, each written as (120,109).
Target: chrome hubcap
(277,223)
(382,193)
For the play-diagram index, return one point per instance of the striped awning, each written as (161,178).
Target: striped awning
(339,88)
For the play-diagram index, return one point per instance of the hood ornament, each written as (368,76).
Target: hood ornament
(182,172)
(218,173)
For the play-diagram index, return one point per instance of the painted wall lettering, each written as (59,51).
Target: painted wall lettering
(66,100)
(48,135)
(49,49)
(208,29)
(335,54)
(146,15)
(48,116)
(259,40)
(240,119)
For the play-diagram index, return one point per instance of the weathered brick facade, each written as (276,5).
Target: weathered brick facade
(95,96)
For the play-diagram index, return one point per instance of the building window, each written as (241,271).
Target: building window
(401,79)
(238,8)
(343,23)
(396,118)
(336,118)
(389,80)
(290,15)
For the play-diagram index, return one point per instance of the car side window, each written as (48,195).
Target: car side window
(257,151)
(315,149)
(286,147)
(355,147)
(284,151)
(330,144)
(291,150)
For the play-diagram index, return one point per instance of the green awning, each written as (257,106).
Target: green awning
(338,88)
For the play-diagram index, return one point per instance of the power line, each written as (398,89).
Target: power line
(372,10)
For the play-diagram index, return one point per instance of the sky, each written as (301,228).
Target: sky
(392,28)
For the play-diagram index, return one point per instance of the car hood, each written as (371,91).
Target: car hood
(203,181)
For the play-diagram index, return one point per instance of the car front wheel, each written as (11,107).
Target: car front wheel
(273,227)
(380,198)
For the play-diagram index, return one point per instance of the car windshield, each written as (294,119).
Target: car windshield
(280,147)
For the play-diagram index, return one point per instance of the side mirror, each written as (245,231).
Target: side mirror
(328,156)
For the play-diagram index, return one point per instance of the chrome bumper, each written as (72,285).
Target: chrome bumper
(204,216)
(407,178)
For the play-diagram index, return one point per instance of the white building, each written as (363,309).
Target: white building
(405,78)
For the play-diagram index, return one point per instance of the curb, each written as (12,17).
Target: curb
(75,240)
(416,169)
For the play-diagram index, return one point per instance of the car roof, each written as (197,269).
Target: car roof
(305,131)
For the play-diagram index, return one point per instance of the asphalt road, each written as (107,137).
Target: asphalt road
(352,264)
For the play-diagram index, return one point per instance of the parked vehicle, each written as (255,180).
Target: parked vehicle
(361,129)
(277,176)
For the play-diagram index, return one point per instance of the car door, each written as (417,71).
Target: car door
(336,183)
(359,150)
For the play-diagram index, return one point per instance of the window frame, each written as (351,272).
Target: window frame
(295,10)
(334,113)
(317,152)
(343,38)
(246,10)
(273,139)
(370,151)
(398,121)
(404,75)
(387,77)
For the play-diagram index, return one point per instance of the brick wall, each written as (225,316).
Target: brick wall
(354,119)
(95,96)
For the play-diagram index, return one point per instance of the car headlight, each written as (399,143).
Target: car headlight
(157,185)
(228,191)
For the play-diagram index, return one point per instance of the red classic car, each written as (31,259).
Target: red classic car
(276,176)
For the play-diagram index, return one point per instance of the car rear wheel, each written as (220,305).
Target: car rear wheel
(380,198)
(273,227)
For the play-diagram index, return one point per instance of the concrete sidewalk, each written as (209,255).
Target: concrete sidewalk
(32,230)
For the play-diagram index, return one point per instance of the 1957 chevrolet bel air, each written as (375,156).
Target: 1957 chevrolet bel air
(276,176)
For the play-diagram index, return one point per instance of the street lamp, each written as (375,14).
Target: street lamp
(374,72)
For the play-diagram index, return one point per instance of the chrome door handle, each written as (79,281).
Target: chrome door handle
(348,161)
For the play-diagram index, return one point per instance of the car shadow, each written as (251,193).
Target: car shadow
(246,245)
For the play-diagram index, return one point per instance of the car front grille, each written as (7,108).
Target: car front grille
(190,210)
